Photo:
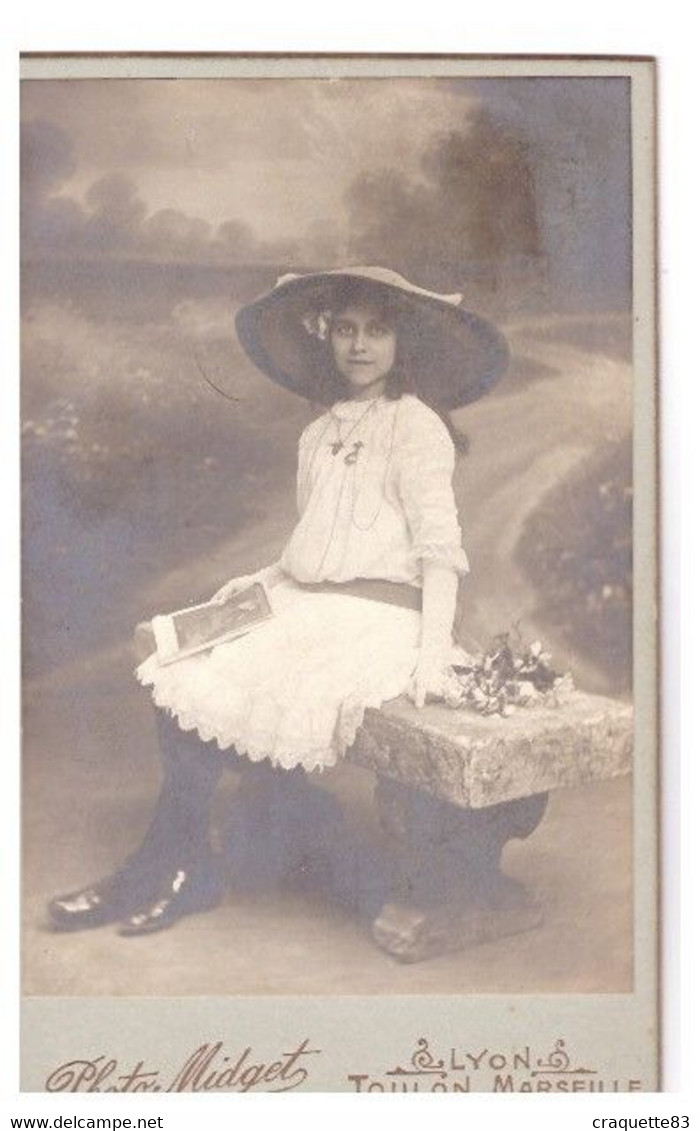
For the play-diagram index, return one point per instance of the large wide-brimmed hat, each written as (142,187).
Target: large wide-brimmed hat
(456,356)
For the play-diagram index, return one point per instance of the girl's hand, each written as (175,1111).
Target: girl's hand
(228,590)
(427,681)
(269,577)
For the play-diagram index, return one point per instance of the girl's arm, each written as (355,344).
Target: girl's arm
(439,602)
(427,461)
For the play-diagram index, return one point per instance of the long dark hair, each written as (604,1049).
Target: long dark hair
(331,386)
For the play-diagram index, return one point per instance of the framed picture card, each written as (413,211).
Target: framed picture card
(372,338)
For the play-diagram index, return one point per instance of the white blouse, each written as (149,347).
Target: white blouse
(374,492)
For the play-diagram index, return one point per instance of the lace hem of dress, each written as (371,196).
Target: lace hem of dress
(262,739)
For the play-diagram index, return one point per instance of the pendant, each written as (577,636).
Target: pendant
(351,457)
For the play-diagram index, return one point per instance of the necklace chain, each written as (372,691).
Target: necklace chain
(355,487)
(340,441)
(382,493)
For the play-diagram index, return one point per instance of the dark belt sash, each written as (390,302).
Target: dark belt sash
(371,589)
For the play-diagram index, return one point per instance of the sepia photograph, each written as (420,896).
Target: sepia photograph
(338,534)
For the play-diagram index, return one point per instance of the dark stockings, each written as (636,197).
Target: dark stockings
(179,830)
(279,828)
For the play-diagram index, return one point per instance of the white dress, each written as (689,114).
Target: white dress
(295,688)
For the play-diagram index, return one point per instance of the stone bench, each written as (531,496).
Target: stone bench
(454,787)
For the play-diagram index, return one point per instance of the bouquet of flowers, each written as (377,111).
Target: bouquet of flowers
(506,676)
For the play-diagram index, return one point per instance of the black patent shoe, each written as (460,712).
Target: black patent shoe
(182,893)
(106,901)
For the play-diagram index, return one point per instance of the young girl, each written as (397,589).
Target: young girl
(363,597)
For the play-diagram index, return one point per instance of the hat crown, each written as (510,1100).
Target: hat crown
(371,274)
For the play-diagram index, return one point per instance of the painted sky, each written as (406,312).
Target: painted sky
(319,171)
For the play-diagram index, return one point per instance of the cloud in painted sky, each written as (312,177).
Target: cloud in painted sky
(113,220)
(278,154)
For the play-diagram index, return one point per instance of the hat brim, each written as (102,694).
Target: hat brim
(456,356)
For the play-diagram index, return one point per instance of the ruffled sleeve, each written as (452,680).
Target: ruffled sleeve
(426,458)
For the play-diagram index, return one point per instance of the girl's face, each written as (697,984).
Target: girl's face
(364,349)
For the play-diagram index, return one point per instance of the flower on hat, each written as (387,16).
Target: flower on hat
(318,324)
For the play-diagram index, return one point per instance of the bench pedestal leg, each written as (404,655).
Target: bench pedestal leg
(450,891)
